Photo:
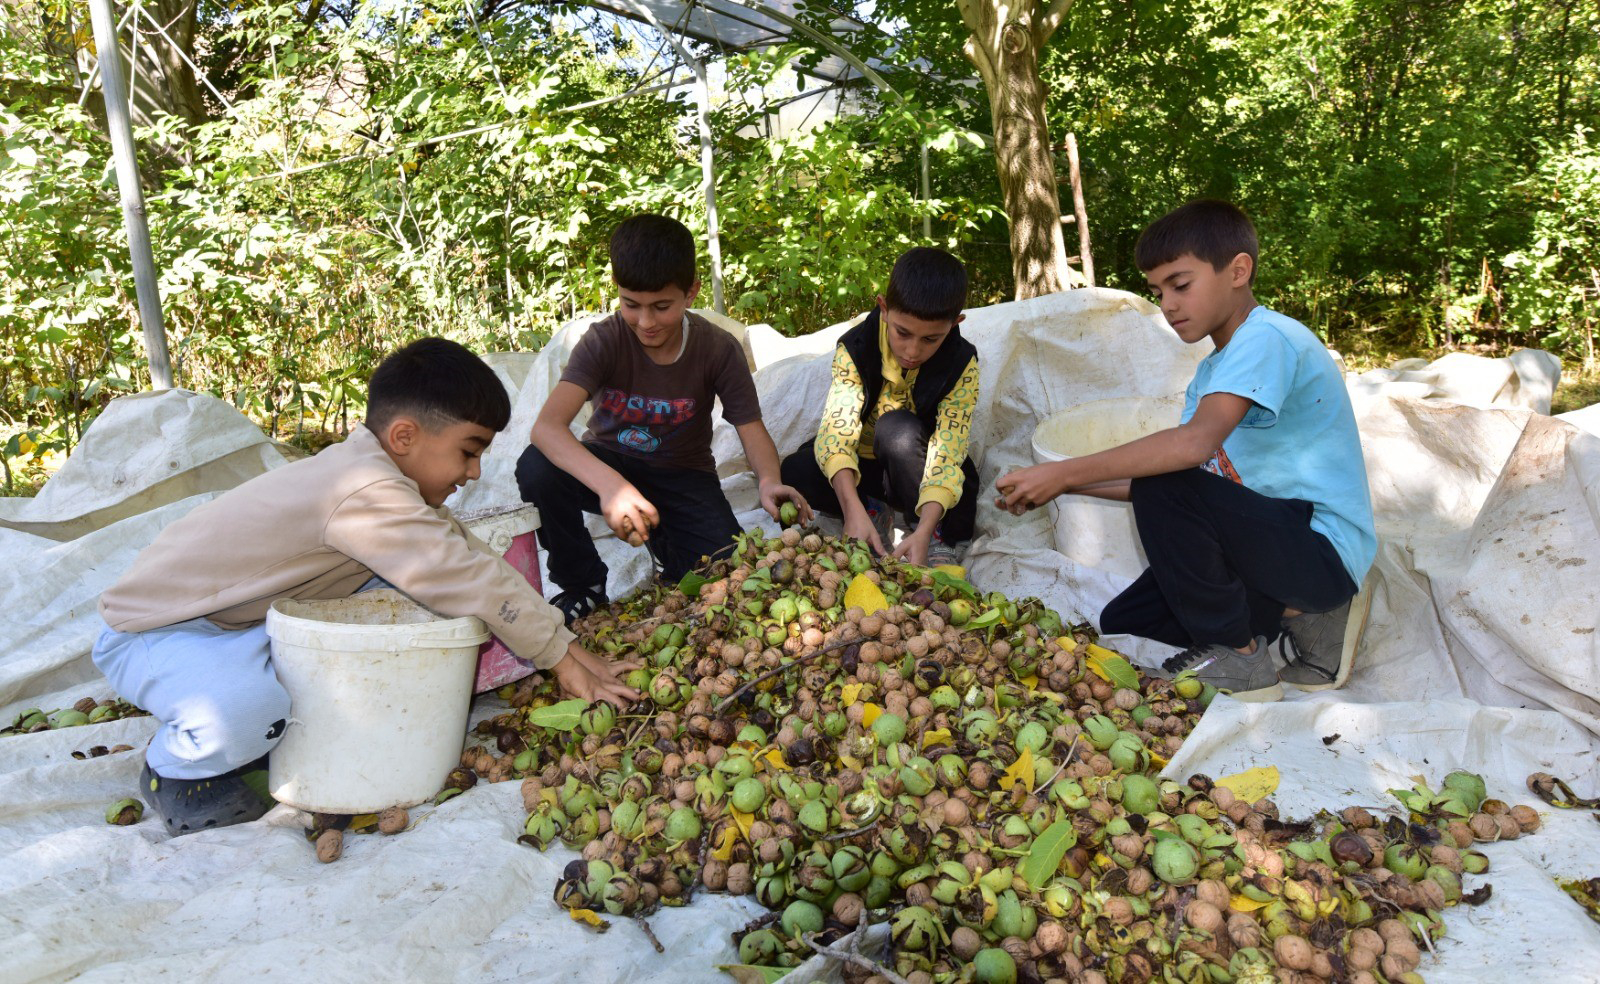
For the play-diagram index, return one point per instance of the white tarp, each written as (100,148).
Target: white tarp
(1484,604)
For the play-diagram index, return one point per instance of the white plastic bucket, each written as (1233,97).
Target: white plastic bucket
(1100,532)
(380,690)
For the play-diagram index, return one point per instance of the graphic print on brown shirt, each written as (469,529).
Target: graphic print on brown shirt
(661,413)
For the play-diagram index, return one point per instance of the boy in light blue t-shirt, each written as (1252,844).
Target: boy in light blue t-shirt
(1253,511)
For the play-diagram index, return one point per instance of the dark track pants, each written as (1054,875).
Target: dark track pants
(696,519)
(1224,563)
(893,474)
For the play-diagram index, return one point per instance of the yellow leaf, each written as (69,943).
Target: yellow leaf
(24,445)
(848,693)
(1019,771)
(869,714)
(850,761)
(723,851)
(1030,682)
(1099,652)
(935,736)
(774,760)
(1243,903)
(1110,667)
(954,570)
(1067,644)
(742,820)
(588,918)
(865,595)
(1159,759)
(1252,784)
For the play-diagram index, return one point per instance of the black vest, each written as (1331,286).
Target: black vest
(935,378)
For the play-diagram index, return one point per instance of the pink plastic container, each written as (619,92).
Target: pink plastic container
(514,535)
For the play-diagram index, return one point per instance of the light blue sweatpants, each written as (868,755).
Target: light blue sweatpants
(213,690)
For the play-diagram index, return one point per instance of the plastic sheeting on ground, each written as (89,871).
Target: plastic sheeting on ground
(1480,653)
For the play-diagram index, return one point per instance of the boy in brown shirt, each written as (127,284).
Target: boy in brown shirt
(652,371)
(184,633)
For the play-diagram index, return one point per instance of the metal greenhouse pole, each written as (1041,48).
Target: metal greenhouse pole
(708,174)
(115,89)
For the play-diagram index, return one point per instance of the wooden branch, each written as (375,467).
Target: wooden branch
(976,51)
(1051,19)
(650,934)
(853,955)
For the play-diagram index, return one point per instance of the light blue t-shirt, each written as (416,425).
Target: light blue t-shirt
(1299,439)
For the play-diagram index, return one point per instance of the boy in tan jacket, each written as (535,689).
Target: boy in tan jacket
(185,635)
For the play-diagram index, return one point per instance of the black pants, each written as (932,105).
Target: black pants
(893,474)
(696,519)
(1224,563)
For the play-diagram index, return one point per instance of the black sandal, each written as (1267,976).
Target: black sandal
(190,805)
(579,603)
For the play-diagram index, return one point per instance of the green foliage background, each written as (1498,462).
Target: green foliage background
(1424,173)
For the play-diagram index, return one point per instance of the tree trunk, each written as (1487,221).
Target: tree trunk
(1005,50)
(182,90)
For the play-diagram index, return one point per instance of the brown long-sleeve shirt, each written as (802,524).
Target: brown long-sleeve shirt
(318,529)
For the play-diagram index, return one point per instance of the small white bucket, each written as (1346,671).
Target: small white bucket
(1094,532)
(380,690)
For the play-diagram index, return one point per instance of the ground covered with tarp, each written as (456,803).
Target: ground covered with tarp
(1479,653)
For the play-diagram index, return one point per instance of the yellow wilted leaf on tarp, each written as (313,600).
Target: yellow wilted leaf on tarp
(1242,903)
(588,918)
(1067,644)
(774,760)
(865,595)
(1252,784)
(742,820)
(723,851)
(848,693)
(935,736)
(1019,771)
(869,714)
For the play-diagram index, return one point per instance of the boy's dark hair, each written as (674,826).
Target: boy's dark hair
(648,252)
(439,383)
(927,283)
(1210,230)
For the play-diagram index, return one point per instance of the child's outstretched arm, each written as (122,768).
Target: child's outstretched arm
(1188,445)
(837,447)
(624,507)
(580,673)
(762,454)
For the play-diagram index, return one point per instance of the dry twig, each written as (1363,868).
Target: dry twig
(853,955)
(650,933)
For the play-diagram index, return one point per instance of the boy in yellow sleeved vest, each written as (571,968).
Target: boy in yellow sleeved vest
(895,429)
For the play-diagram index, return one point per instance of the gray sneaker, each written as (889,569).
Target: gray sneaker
(1252,677)
(1313,652)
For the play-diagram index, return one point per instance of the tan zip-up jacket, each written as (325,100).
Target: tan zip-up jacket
(320,528)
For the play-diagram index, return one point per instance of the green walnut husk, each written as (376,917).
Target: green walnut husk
(125,812)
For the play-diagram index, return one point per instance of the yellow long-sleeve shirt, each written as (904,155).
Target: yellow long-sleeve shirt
(845,435)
